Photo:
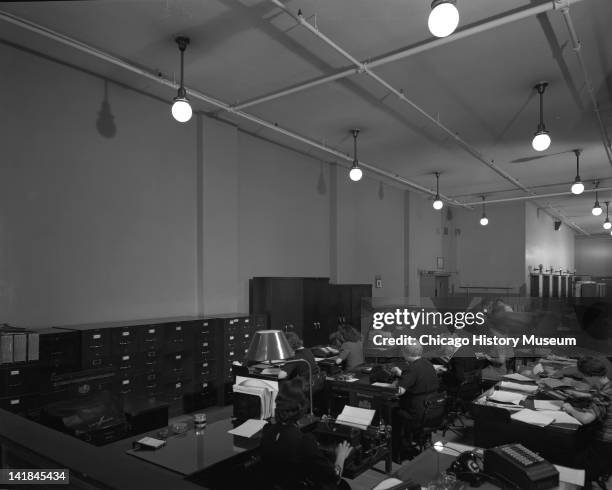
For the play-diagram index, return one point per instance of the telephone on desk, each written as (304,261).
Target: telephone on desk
(516,463)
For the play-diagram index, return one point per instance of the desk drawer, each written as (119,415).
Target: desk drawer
(19,380)
(20,404)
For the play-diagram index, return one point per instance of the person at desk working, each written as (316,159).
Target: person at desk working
(594,370)
(351,350)
(293,458)
(416,382)
(300,369)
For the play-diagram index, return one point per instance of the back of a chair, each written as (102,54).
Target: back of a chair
(434,414)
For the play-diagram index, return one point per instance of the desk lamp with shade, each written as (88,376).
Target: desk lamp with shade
(272,345)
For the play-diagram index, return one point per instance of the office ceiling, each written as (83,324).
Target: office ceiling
(480,86)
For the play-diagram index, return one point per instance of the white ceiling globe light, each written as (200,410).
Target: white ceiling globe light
(577,187)
(484,221)
(597,210)
(443,18)
(355,174)
(438,204)
(607,225)
(181,109)
(541,141)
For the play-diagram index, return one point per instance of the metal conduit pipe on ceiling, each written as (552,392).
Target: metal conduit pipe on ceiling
(109,58)
(507,18)
(542,196)
(577,47)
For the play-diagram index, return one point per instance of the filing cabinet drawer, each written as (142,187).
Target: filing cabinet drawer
(205,328)
(19,404)
(94,362)
(95,339)
(126,362)
(178,388)
(124,339)
(205,371)
(19,380)
(60,350)
(126,385)
(151,337)
(152,360)
(178,362)
(176,337)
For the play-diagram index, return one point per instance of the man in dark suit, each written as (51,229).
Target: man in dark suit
(417,381)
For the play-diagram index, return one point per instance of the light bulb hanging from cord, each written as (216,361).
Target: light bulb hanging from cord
(541,139)
(437,204)
(443,18)
(606,224)
(577,186)
(355,173)
(484,221)
(181,109)
(596,207)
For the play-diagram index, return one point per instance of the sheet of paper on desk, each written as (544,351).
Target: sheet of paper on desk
(502,396)
(384,385)
(151,442)
(518,377)
(249,428)
(356,417)
(547,404)
(271,371)
(561,417)
(532,417)
(509,385)
(571,475)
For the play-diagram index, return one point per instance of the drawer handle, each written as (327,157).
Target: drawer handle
(151,377)
(95,346)
(149,340)
(151,354)
(96,362)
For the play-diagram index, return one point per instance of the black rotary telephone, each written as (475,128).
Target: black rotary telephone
(468,467)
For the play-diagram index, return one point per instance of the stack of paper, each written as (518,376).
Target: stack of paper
(518,377)
(509,385)
(561,417)
(384,385)
(356,417)
(532,417)
(502,396)
(249,428)
(547,404)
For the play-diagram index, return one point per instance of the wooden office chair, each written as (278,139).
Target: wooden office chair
(434,419)
(461,397)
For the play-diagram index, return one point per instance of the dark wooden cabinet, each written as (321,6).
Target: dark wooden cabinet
(312,307)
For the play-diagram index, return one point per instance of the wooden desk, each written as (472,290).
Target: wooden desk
(558,443)
(361,393)
(424,468)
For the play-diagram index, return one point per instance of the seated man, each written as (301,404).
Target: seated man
(599,411)
(416,382)
(300,369)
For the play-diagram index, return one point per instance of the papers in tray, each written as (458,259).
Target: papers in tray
(547,404)
(384,385)
(356,417)
(502,396)
(561,417)
(509,385)
(249,428)
(532,417)
(271,371)
(518,377)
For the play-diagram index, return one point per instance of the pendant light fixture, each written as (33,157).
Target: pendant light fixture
(437,204)
(181,109)
(541,139)
(577,186)
(443,18)
(606,224)
(596,207)
(484,221)
(355,173)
